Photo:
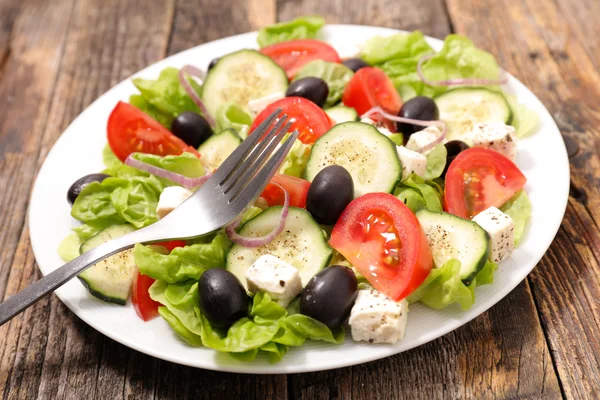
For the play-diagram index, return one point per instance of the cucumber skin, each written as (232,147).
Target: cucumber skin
(508,120)
(101,296)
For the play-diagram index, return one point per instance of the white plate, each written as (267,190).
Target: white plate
(77,152)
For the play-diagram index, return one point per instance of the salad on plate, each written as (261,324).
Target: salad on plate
(402,187)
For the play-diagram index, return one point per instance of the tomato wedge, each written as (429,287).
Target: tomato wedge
(170,245)
(144,306)
(371,87)
(480,178)
(383,239)
(310,120)
(293,54)
(296,187)
(130,130)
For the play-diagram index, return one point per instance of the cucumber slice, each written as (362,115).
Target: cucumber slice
(109,280)
(462,108)
(340,114)
(217,148)
(240,77)
(302,244)
(450,237)
(368,155)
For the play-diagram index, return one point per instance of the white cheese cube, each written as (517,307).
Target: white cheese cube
(170,198)
(500,227)
(377,125)
(275,277)
(495,136)
(419,140)
(346,51)
(257,105)
(375,318)
(412,162)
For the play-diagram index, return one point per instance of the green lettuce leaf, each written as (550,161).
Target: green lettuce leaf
(68,249)
(166,95)
(524,120)
(183,263)
(418,193)
(140,102)
(336,76)
(185,164)
(85,231)
(444,287)
(436,162)
(94,204)
(109,158)
(519,209)
(231,116)
(179,328)
(299,28)
(295,161)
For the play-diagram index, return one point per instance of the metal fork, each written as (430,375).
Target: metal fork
(236,183)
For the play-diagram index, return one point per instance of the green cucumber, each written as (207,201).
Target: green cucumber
(240,77)
(450,237)
(341,114)
(462,108)
(368,155)
(217,148)
(109,280)
(301,244)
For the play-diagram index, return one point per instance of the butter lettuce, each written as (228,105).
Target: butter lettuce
(300,28)
(336,76)
(140,102)
(444,287)
(524,120)
(436,162)
(295,161)
(185,164)
(418,193)
(519,209)
(183,263)
(231,116)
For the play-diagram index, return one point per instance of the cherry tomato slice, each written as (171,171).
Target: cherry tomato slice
(480,178)
(310,120)
(292,55)
(144,306)
(130,130)
(383,239)
(296,187)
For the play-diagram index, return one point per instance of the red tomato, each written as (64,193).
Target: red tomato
(383,239)
(292,55)
(310,120)
(296,187)
(371,87)
(145,307)
(170,245)
(480,178)
(130,130)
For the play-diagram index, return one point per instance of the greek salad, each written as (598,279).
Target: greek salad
(402,187)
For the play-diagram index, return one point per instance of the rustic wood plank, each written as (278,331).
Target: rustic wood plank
(537,43)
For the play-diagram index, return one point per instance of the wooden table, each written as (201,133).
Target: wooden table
(541,341)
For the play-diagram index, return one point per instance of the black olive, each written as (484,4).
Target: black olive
(213,63)
(329,296)
(355,64)
(80,183)
(421,108)
(223,299)
(329,194)
(192,128)
(311,88)
(453,148)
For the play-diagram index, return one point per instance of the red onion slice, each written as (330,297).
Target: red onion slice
(439,124)
(458,81)
(261,240)
(174,177)
(195,72)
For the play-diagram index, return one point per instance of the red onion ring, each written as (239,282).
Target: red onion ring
(458,81)
(261,240)
(438,124)
(195,72)
(174,177)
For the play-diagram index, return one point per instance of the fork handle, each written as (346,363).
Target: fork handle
(47,284)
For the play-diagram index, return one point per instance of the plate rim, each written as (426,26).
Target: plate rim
(251,368)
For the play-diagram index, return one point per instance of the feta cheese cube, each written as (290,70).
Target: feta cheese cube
(275,277)
(377,125)
(500,227)
(419,140)
(376,318)
(257,105)
(411,162)
(170,198)
(496,136)
(346,51)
